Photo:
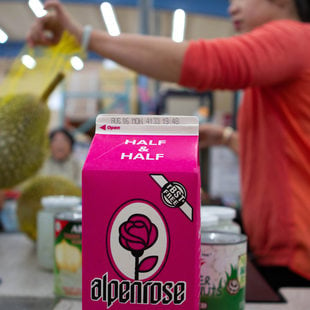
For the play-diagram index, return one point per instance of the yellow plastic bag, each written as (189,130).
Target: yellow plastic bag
(49,61)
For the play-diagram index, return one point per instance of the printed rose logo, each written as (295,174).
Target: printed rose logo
(138,240)
(136,235)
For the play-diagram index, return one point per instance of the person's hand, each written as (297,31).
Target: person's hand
(48,29)
(210,134)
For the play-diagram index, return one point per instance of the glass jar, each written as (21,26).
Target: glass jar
(45,225)
(226,216)
(223,270)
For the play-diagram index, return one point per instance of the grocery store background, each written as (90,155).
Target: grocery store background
(99,86)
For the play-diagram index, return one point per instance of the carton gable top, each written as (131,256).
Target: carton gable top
(141,142)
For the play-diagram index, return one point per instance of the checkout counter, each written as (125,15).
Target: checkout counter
(25,286)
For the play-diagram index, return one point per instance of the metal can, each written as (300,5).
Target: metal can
(68,254)
(223,271)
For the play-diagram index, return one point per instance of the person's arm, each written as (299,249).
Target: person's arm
(158,57)
(211,135)
(248,60)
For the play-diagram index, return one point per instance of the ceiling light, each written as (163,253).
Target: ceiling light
(37,8)
(28,61)
(3,36)
(77,63)
(109,19)
(178,25)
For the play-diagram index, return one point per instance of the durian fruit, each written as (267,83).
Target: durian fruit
(23,135)
(29,202)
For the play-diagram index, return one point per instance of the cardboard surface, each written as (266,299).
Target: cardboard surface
(141,214)
(258,290)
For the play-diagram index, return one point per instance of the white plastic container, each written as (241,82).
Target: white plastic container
(52,205)
(226,216)
(209,222)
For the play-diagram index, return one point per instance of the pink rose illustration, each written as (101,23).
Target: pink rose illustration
(136,235)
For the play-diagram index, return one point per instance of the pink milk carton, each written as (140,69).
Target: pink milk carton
(141,214)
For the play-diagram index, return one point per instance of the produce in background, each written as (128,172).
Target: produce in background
(29,202)
(23,135)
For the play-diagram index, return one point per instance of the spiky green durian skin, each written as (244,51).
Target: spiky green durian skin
(23,138)
(29,202)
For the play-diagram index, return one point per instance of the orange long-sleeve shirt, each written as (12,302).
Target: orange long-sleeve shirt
(272,64)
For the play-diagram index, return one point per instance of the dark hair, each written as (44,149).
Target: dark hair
(303,9)
(65,132)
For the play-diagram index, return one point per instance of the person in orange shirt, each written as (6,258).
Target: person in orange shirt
(270,61)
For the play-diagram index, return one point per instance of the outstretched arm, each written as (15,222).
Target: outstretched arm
(158,57)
